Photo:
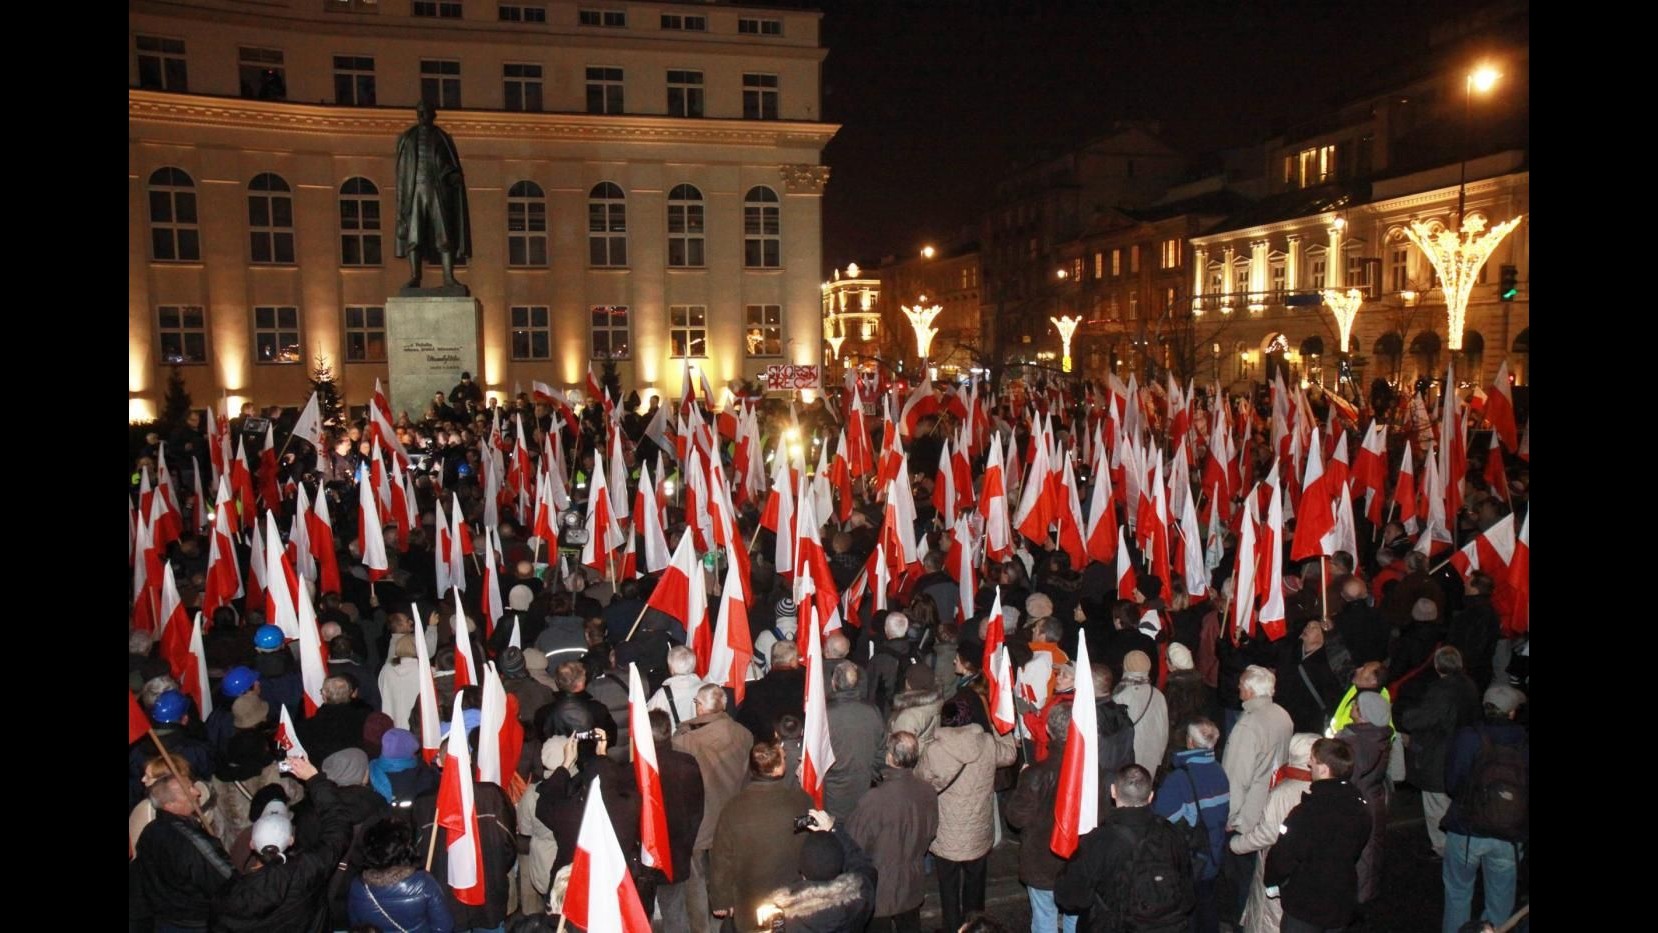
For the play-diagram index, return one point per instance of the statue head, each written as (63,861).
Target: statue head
(425,112)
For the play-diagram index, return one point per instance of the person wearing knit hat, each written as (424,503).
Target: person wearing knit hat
(1180,657)
(783,629)
(347,767)
(1147,709)
(249,711)
(533,696)
(535,663)
(399,775)
(519,598)
(374,729)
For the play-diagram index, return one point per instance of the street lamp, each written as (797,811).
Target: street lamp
(927,252)
(1481,79)
(1067,326)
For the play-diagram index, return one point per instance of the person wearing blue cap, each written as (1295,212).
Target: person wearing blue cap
(220,723)
(170,714)
(279,680)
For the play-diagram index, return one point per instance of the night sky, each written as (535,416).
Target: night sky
(938,97)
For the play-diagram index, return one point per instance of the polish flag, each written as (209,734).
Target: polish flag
(840,477)
(600,895)
(198,512)
(733,650)
(320,529)
(596,392)
(193,683)
(681,593)
(224,577)
(1102,535)
(944,487)
(403,503)
(1243,574)
(1453,452)
(492,720)
(313,654)
(299,537)
(466,671)
(255,580)
(993,665)
(993,505)
(269,490)
(1495,476)
(1077,802)
(1316,518)
(1070,520)
(281,584)
(1492,550)
(653,811)
(648,520)
(380,425)
(1003,712)
(1519,579)
(440,554)
(1438,527)
(778,517)
(1126,577)
(960,565)
(241,479)
(287,737)
(861,455)
(1035,513)
(457,814)
(489,603)
(461,545)
(1499,407)
(1404,493)
(817,756)
(1370,471)
(603,534)
(371,535)
(430,730)
(1345,536)
(1271,552)
(1192,566)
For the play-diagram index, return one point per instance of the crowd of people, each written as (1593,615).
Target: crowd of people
(1246,764)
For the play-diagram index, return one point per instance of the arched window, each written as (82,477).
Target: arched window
(526,225)
(359,223)
(685,226)
(762,229)
(174,236)
(270,219)
(607,226)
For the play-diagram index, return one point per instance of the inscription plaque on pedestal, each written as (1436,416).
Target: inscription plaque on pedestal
(430,341)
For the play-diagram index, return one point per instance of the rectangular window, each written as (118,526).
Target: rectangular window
(276,335)
(751,26)
(685,233)
(352,6)
(365,334)
(523,87)
(183,333)
(261,73)
(526,230)
(440,83)
(1133,306)
(532,335)
(1171,254)
(610,332)
(354,80)
(688,331)
(763,333)
(1076,269)
(438,9)
(161,64)
(1134,259)
(1116,263)
(1398,264)
(1277,276)
(520,13)
(684,93)
(759,97)
(1315,166)
(615,19)
(1099,265)
(271,226)
(604,90)
(685,23)
(1318,274)
(762,235)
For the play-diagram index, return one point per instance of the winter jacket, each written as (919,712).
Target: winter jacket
(721,748)
(291,894)
(561,803)
(1030,809)
(895,823)
(1314,863)
(1149,712)
(682,796)
(1116,732)
(916,712)
(684,688)
(536,867)
(960,763)
(1100,857)
(771,696)
(178,869)
(843,904)
(856,735)
(1371,746)
(336,726)
(1263,914)
(497,832)
(883,672)
(1195,790)
(533,697)
(1449,704)
(415,902)
(1310,708)
(576,712)
(1257,745)
(1364,631)
(1475,632)
(400,682)
(756,850)
(1459,765)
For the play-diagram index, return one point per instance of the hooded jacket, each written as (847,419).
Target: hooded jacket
(960,763)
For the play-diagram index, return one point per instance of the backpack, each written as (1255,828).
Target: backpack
(1498,802)
(1155,890)
(1204,855)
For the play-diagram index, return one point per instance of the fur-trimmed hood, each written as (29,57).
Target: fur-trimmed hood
(910,699)
(848,893)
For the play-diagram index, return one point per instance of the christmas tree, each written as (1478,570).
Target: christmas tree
(329,403)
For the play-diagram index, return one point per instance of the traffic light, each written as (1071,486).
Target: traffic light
(1510,283)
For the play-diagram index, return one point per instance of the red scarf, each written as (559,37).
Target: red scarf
(1290,773)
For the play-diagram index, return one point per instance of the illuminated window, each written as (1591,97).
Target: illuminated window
(762,229)
(1171,254)
(526,225)
(161,64)
(763,330)
(604,90)
(607,226)
(1315,166)
(532,334)
(1099,265)
(1277,273)
(365,334)
(1398,267)
(685,226)
(1076,269)
(1116,263)
(440,83)
(684,93)
(1134,259)
(610,332)
(522,85)
(276,335)
(1133,306)
(359,223)
(183,332)
(261,74)
(270,219)
(688,331)
(174,236)
(759,97)
(1318,274)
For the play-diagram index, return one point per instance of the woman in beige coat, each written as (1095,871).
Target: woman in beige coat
(960,763)
(1262,914)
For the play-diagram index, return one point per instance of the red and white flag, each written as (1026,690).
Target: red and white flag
(1495,475)
(1077,802)
(653,543)
(1316,518)
(490,602)
(281,584)
(1101,538)
(1370,471)
(1271,555)
(194,681)
(320,527)
(733,649)
(257,567)
(1127,579)
(299,536)
(600,895)
(224,575)
(1519,579)
(604,536)
(380,425)
(816,756)
(994,667)
(430,728)
(1492,550)
(1243,573)
(998,527)
(778,516)
(457,815)
(287,737)
(460,543)
(313,654)
(1499,408)
(492,719)
(1404,493)
(371,534)
(653,810)
(682,594)
(466,671)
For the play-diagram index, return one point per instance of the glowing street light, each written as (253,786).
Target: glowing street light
(1458,257)
(927,252)
(921,317)
(1067,326)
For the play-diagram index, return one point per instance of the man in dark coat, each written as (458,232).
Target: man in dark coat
(1450,703)
(1475,629)
(836,890)
(1307,688)
(682,796)
(289,891)
(1314,864)
(741,872)
(895,823)
(781,691)
(338,723)
(856,733)
(179,866)
(1106,854)
(1361,627)
(1031,811)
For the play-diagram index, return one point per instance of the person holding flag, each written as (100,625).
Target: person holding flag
(479,834)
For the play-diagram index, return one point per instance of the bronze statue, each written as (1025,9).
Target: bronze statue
(432,214)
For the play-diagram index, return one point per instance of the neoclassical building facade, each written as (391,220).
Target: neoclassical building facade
(645,182)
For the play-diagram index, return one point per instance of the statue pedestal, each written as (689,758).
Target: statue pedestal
(430,341)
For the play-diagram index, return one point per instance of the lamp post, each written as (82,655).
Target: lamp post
(1481,79)
(1067,326)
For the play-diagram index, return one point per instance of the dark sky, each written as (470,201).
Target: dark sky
(938,97)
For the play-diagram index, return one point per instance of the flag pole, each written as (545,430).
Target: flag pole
(173,768)
(636,621)
(432,846)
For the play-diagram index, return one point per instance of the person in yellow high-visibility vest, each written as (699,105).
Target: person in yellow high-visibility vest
(1366,677)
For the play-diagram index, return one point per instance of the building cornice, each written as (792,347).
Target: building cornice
(200,111)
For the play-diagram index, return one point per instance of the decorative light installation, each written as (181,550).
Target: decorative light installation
(1066,326)
(1458,258)
(921,318)
(1346,310)
(839,337)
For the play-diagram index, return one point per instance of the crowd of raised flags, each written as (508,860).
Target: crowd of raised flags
(1131,454)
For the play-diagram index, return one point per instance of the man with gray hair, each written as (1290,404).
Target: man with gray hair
(1258,745)
(895,823)
(338,723)
(782,690)
(856,731)
(891,662)
(1196,793)
(677,695)
(721,748)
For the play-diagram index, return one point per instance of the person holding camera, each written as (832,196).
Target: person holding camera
(836,890)
(758,840)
